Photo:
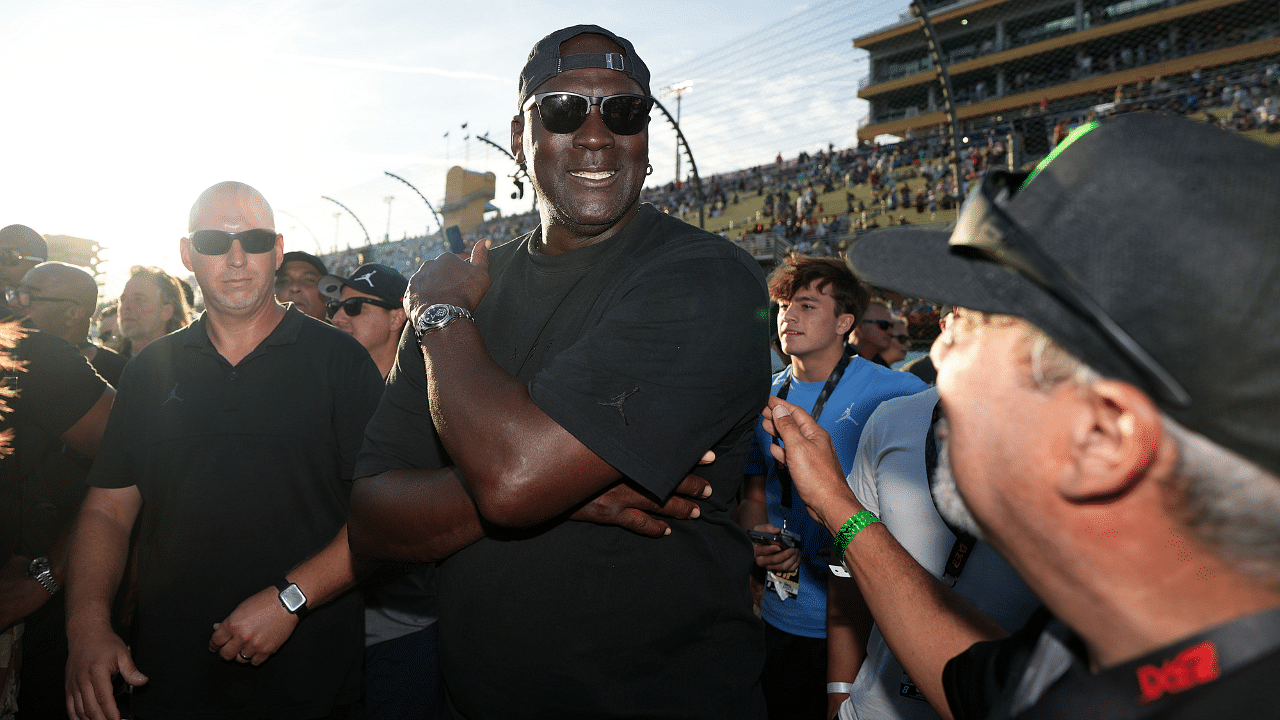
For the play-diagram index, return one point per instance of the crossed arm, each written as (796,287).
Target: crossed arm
(924,622)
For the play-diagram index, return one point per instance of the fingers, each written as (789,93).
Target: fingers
(679,508)
(693,487)
(708,457)
(480,254)
(641,523)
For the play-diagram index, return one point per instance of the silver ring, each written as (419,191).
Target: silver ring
(242,657)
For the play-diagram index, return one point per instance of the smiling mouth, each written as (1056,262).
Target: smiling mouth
(593,174)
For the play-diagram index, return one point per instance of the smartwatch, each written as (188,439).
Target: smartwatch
(42,571)
(439,316)
(292,598)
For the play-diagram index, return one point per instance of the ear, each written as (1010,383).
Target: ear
(279,250)
(397,320)
(517,138)
(1118,439)
(184,249)
(844,323)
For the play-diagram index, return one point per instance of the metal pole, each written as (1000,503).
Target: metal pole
(693,166)
(424,199)
(387,200)
(367,241)
(948,96)
(679,97)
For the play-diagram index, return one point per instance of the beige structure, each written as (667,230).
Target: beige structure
(466,197)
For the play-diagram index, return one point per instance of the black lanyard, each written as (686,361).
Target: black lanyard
(784,476)
(965,542)
(1152,683)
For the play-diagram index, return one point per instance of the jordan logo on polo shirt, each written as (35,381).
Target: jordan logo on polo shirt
(173,395)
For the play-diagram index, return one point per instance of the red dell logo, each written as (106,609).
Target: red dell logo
(1194,666)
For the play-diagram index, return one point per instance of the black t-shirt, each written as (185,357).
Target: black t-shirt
(109,364)
(985,682)
(650,348)
(40,486)
(244,472)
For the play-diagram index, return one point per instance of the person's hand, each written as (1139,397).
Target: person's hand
(628,508)
(94,656)
(254,630)
(20,594)
(775,557)
(449,279)
(809,455)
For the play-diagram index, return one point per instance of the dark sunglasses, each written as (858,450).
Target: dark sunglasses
(24,298)
(10,257)
(984,227)
(904,338)
(353,305)
(565,112)
(885,325)
(217,242)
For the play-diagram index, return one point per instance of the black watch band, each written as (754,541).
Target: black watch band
(292,598)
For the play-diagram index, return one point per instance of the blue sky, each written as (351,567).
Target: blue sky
(119,113)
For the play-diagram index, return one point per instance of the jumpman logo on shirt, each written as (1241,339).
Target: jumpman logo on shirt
(173,395)
(616,402)
(365,277)
(848,415)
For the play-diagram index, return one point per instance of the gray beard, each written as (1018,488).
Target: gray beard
(946,496)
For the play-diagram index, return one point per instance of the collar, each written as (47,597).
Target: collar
(196,335)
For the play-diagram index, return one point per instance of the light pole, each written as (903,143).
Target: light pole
(678,89)
(367,241)
(336,217)
(387,200)
(424,199)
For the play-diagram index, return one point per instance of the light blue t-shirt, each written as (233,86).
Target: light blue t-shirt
(862,388)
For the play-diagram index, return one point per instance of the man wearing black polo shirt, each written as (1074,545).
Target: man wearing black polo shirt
(239,433)
(1129,473)
(610,347)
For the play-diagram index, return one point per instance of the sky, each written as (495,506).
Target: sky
(119,113)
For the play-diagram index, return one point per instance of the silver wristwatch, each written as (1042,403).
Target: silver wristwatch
(438,316)
(292,598)
(42,571)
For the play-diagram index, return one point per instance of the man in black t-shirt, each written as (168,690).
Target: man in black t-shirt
(604,352)
(60,299)
(239,432)
(57,418)
(1128,471)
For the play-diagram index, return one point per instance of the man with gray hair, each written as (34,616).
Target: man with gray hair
(1132,480)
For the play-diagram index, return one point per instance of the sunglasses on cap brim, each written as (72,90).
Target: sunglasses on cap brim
(217,242)
(985,228)
(565,112)
(353,305)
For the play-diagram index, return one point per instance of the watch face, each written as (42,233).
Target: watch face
(292,598)
(437,314)
(38,566)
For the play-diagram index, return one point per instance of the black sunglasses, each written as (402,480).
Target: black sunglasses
(903,338)
(565,112)
(24,298)
(353,305)
(217,242)
(10,257)
(885,325)
(983,226)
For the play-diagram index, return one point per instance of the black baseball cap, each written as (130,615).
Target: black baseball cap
(306,257)
(33,240)
(545,61)
(1172,227)
(372,278)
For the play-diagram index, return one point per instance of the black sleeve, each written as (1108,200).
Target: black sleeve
(59,385)
(401,434)
(357,392)
(679,361)
(986,675)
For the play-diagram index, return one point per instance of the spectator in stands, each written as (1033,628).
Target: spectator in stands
(59,299)
(1173,609)
(152,305)
(899,343)
(109,329)
(21,249)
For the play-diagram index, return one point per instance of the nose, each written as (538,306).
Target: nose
(236,256)
(594,134)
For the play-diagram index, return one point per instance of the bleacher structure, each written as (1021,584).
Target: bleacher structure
(1010,59)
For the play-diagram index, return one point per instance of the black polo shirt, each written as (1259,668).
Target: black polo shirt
(244,472)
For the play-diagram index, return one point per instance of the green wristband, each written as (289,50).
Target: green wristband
(852,527)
